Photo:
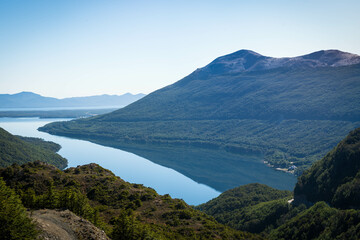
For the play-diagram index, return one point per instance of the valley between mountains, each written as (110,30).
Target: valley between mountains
(123,210)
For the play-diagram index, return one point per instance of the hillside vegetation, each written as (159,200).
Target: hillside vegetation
(243,102)
(132,211)
(321,222)
(251,207)
(123,210)
(243,196)
(54,147)
(266,211)
(336,178)
(21,150)
(15,223)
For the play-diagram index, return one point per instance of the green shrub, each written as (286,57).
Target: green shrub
(14,222)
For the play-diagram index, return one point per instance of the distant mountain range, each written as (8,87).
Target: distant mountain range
(33,100)
(244,102)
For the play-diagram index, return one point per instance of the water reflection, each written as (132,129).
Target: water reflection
(128,166)
(193,174)
(218,169)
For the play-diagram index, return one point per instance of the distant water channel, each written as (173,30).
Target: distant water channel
(206,167)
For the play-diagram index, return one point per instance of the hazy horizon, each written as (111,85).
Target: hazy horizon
(74,96)
(84,48)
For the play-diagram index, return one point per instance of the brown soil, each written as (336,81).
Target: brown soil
(65,225)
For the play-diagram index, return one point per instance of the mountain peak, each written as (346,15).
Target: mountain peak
(24,93)
(332,58)
(247,60)
(245,52)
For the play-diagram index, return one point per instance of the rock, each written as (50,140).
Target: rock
(65,225)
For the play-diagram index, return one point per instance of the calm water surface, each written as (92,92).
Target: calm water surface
(128,166)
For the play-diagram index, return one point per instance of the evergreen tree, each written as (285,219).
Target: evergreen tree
(128,228)
(14,222)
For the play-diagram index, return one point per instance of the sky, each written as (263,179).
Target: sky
(69,48)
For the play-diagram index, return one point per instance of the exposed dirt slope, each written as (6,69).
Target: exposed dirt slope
(65,225)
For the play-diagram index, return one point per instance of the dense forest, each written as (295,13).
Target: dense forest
(320,222)
(336,178)
(251,207)
(267,211)
(279,219)
(21,150)
(278,112)
(14,221)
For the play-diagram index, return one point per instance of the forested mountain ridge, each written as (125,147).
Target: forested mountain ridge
(250,207)
(247,85)
(335,178)
(278,218)
(243,196)
(243,102)
(20,150)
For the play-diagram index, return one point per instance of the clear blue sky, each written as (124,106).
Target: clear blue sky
(69,48)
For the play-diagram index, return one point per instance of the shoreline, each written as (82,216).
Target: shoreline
(286,170)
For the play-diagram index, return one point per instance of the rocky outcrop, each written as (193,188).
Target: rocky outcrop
(65,225)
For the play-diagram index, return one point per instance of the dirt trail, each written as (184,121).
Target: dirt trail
(65,225)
